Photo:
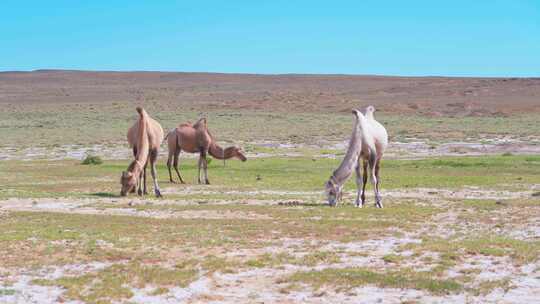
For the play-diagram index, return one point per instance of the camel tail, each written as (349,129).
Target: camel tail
(167,135)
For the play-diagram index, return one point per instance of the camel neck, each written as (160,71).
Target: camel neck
(369,115)
(219,153)
(136,167)
(345,169)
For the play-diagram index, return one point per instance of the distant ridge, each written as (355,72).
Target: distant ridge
(259,74)
(429,95)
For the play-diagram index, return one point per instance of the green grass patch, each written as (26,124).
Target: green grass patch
(452,250)
(280,175)
(46,124)
(113,283)
(348,278)
(393,258)
(276,260)
(92,160)
(486,287)
(7,292)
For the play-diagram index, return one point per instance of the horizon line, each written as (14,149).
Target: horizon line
(259,74)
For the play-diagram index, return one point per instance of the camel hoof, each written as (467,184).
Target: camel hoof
(158,193)
(139,192)
(207,182)
(172,182)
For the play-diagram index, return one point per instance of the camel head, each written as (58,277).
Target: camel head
(369,111)
(333,192)
(238,153)
(129,182)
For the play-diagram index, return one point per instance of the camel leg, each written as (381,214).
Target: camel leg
(139,184)
(199,166)
(145,192)
(176,156)
(377,193)
(205,168)
(134,189)
(372,165)
(138,181)
(364,181)
(169,163)
(359,182)
(153,159)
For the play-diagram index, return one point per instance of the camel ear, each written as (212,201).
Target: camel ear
(328,183)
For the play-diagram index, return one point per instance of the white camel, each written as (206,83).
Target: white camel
(368,142)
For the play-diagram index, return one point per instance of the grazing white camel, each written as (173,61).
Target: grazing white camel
(368,142)
(374,143)
(334,185)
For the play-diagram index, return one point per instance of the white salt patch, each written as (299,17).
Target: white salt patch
(175,295)
(25,292)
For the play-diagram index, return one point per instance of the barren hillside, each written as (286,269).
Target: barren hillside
(297,93)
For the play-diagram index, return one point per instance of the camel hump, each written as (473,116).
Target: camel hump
(186,124)
(141,111)
(200,123)
(357,113)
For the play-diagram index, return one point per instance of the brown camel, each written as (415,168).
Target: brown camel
(195,138)
(145,137)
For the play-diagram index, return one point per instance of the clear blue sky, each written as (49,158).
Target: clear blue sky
(457,38)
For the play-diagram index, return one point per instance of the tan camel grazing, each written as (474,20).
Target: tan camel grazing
(195,138)
(145,137)
(368,143)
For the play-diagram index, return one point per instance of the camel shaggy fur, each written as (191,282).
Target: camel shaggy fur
(368,143)
(195,138)
(144,137)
